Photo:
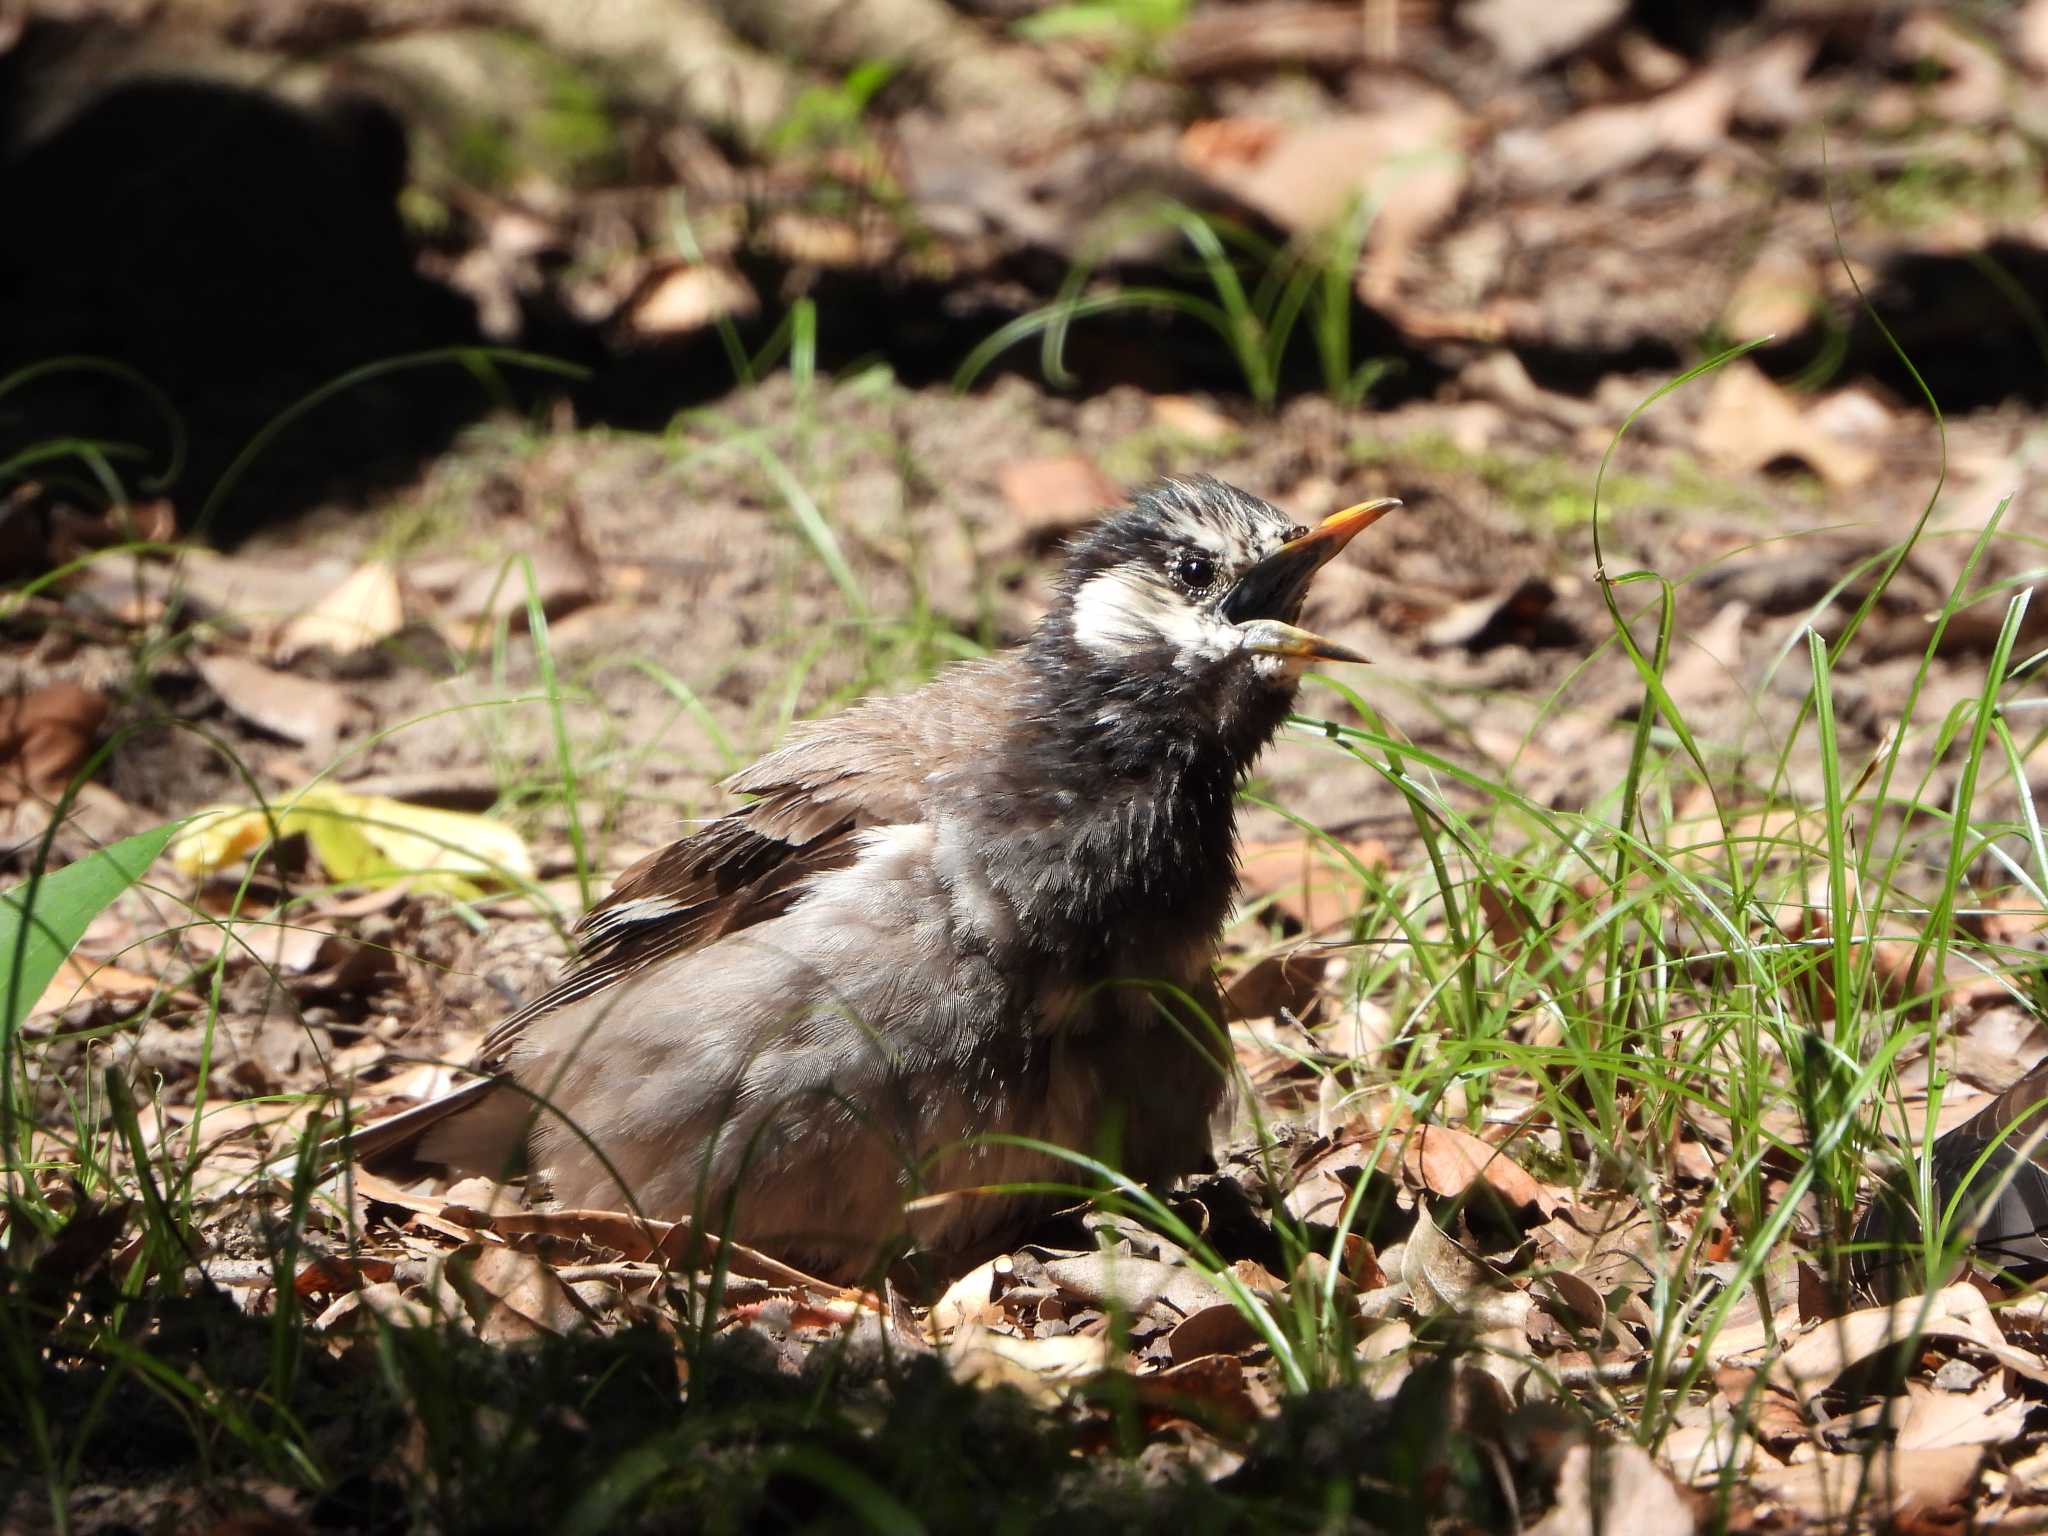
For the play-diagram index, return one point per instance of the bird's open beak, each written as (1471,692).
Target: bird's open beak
(1270,594)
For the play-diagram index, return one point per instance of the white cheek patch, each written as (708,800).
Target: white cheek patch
(1124,610)
(1279,671)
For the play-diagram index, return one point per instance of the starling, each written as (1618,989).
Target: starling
(945,930)
(1989,1176)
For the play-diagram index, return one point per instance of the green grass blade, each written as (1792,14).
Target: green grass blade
(42,920)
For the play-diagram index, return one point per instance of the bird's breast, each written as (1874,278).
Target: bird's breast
(1085,899)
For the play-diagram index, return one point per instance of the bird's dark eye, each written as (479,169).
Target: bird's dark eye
(1296,532)
(1195,572)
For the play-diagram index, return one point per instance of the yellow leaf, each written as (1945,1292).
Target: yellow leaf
(364,840)
(216,837)
(419,839)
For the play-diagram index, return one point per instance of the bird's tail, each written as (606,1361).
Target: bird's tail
(479,1127)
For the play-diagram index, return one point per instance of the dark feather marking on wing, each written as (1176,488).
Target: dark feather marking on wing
(725,879)
(830,780)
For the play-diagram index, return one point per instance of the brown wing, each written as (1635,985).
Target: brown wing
(719,881)
(2000,1157)
(833,779)
(2008,1197)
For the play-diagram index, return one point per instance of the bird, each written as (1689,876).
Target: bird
(1989,1180)
(951,939)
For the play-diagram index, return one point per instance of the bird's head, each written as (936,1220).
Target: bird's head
(1198,580)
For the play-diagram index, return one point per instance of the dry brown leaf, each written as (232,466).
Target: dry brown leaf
(2030,35)
(1311,882)
(1405,160)
(1689,119)
(1815,1361)
(1973,87)
(1441,1274)
(1773,79)
(1693,1161)
(562,581)
(1232,39)
(1710,1439)
(1896,1488)
(385,1301)
(1574,1299)
(823,241)
(301,709)
(1213,1384)
(1323,1177)
(1778,296)
(1517,615)
(1196,420)
(1049,499)
(1274,984)
(1035,1367)
(680,300)
(1985,1416)
(1707,665)
(471,1198)
(331,1274)
(365,609)
(1525,37)
(1445,1161)
(44,736)
(513,1297)
(1749,422)
(1615,1486)
(1127,1283)
(80,980)
(288,948)
(374,1186)
(968,1301)
(1218,1329)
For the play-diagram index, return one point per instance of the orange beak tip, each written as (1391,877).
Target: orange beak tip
(1354,518)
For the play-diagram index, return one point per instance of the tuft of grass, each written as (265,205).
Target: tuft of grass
(829,116)
(1998,182)
(557,118)
(1130,35)
(1259,297)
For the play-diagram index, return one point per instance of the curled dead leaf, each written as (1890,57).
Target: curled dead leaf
(1899,1490)
(301,709)
(1218,1329)
(44,736)
(1749,422)
(1130,1284)
(512,1297)
(364,609)
(968,1301)
(331,1274)
(1613,1485)
(1815,1361)
(1447,1162)
(1441,1275)
(680,300)
(383,1301)
(1209,1387)
(1038,1368)
(110,986)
